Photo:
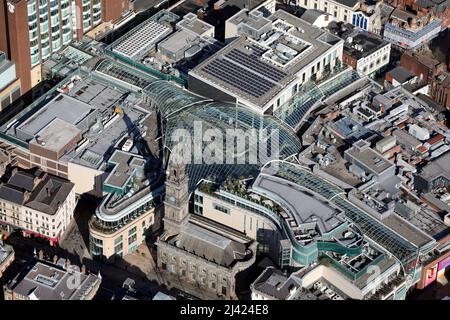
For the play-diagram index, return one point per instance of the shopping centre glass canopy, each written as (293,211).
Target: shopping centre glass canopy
(184,110)
(278,142)
(311,94)
(402,249)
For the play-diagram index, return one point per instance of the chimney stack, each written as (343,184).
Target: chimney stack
(41,254)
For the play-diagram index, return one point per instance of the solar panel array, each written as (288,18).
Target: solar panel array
(257,65)
(235,76)
(256,51)
(147,35)
(245,72)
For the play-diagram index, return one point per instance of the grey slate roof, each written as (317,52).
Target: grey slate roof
(23,180)
(348,3)
(5,251)
(311,15)
(401,74)
(49,194)
(43,280)
(274,283)
(209,245)
(12,194)
(37,190)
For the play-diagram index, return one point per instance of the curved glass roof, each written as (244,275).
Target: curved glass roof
(169,98)
(124,73)
(165,96)
(392,242)
(224,117)
(182,109)
(310,94)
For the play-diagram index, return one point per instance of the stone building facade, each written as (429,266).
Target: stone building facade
(197,251)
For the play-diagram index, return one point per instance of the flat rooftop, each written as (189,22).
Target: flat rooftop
(193,23)
(368,44)
(258,69)
(348,127)
(439,167)
(103,109)
(56,135)
(62,107)
(43,280)
(179,40)
(362,152)
(304,206)
(142,39)
(125,165)
(407,231)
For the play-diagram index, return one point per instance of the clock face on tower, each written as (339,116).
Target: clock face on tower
(171,199)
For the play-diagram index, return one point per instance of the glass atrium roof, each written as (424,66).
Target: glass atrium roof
(184,110)
(227,117)
(310,94)
(405,251)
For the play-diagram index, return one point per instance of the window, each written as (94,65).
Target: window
(198,198)
(132,239)
(118,248)
(132,231)
(198,209)
(5,102)
(221,209)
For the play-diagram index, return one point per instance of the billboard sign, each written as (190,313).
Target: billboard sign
(431,275)
(443,264)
